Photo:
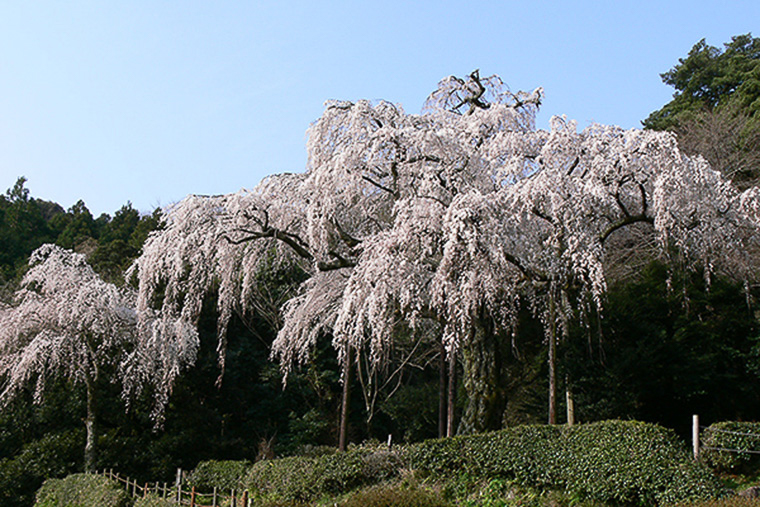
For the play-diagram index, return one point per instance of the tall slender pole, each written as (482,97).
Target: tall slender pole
(452,393)
(695,435)
(570,401)
(179,486)
(442,411)
(345,399)
(552,362)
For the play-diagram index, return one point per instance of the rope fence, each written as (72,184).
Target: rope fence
(177,495)
(697,446)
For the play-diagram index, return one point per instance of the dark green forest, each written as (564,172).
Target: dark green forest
(666,346)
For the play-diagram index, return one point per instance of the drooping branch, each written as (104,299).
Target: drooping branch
(292,240)
(349,240)
(339,262)
(628,220)
(379,185)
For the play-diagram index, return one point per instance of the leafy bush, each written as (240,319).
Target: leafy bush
(55,455)
(223,475)
(304,479)
(732,501)
(391,496)
(81,490)
(732,435)
(154,501)
(614,461)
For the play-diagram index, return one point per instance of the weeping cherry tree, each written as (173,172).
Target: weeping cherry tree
(443,224)
(67,322)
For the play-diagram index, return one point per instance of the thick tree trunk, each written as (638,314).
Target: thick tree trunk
(342,437)
(552,363)
(90,448)
(451,402)
(442,411)
(482,381)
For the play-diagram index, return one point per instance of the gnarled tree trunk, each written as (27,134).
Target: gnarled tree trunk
(90,422)
(487,399)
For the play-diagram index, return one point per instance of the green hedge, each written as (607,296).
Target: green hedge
(223,475)
(82,490)
(154,501)
(304,479)
(614,461)
(731,435)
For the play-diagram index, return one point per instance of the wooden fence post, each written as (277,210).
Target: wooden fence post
(192,497)
(245,498)
(232,499)
(213,501)
(179,486)
(695,435)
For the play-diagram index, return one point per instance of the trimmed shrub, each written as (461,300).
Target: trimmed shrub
(54,455)
(82,490)
(613,461)
(392,496)
(733,501)
(304,479)
(223,475)
(732,435)
(154,501)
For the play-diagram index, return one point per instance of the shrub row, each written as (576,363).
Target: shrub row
(731,435)
(304,479)
(614,461)
(82,490)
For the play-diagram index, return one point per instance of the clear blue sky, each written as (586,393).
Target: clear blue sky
(148,101)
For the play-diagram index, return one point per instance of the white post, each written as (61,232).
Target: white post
(179,486)
(390,440)
(695,435)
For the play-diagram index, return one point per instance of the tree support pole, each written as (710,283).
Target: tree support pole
(452,394)
(552,362)
(442,408)
(345,400)
(570,402)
